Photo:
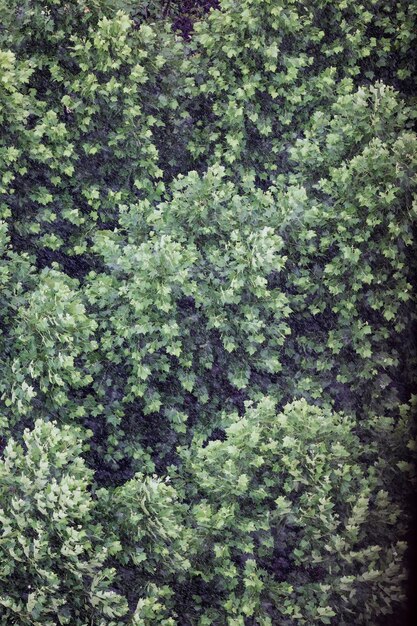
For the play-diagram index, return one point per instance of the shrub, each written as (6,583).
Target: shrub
(294,522)
(263,68)
(81,79)
(48,339)
(206,271)
(216,294)
(53,550)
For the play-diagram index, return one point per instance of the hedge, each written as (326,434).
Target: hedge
(207,233)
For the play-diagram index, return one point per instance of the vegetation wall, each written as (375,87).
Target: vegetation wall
(207,312)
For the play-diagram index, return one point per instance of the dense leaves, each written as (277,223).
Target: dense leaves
(291,521)
(207,311)
(53,551)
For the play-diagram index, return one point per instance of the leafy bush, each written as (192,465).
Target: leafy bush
(293,521)
(207,311)
(50,334)
(86,126)
(53,551)
(264,68)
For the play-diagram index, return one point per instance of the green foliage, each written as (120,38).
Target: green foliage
(49,335)
(207,280)
(85,142)
(293,520)
(350,230)
(53,552)
(150,520)
(187,298)
(264,67)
